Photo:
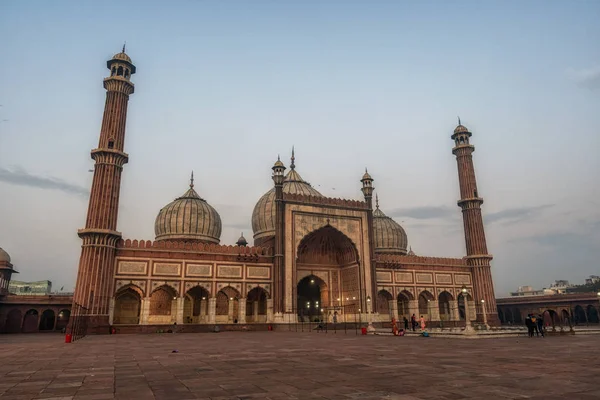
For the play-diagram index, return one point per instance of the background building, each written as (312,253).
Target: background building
(39,288)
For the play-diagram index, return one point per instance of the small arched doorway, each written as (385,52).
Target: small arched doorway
(592,314)
(445,300)
(30,321)
(195,306)
(227,308)
(403,305)
(14,320)
(47,320)
(565,318)
(63,319)
(163,305)
(580,316)
(127,306)
(312,291)
(424,304)
(256,305)
(383,305)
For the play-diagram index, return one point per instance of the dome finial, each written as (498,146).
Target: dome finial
(293,165)
(192,181)
(124,43)
(377,201)
(459,121)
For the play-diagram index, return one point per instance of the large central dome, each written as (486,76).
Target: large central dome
(263,216)
(188,217)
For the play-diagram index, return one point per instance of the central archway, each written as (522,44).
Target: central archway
(327,267)
(312,297)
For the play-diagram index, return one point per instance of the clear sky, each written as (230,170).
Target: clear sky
(223,87)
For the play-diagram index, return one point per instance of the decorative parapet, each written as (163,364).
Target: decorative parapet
(326,201)
(241,251)
(397,260)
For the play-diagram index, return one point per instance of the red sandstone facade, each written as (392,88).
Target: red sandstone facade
(323,258)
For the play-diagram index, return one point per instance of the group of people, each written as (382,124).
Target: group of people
(535,325)
(413,322)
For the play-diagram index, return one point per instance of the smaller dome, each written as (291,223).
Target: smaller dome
(460,129)
(389,236)
(366,176)
(411,252)
(188,217)
(278,163)
(242,241)
(122,56)
(4,256)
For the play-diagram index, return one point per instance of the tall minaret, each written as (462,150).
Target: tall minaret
(367,189)
(279,262)
(94,286)
(470,203)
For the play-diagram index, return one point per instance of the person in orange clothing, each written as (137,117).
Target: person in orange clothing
(394,327)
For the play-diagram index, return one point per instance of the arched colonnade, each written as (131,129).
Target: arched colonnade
(443,307)
(165,306)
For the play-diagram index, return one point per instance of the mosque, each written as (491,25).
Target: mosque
(314,257)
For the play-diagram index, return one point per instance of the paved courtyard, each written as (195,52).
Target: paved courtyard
(289,365)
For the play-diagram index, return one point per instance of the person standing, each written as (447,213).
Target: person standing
(540,324)
(413,322)
(422,320)
(534,325)
(405,323)
(529,325)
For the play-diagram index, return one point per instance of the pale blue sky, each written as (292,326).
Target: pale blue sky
(223,87)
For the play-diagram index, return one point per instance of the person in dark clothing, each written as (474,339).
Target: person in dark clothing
(540,323)
(529,325)
(534,325)
(413,322)
(405,324)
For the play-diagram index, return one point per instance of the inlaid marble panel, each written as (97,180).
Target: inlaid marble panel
(229,271)
(204,270)
(424,278)
(385,276)
(462,279)
(443,278)
(404,277)
(259,272)
(172,269)
(132,267)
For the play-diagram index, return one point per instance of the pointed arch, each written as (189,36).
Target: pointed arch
(133,287)
(227,307)
(425,297)
(403,299)
(444,304)
(327,245)
(161,301)
(383,303)
(256,305)
(195,305)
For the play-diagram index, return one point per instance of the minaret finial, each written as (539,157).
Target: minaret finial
(377,201)
(192,181)
(124,43)
(293,165)
(459,121)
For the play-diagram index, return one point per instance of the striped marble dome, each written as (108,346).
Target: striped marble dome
(263,216)
(188,217)
(388,235)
